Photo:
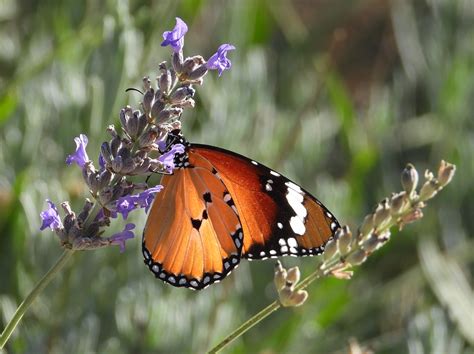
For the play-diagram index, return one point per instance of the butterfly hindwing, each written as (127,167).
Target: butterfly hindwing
(193,236)
(278,217)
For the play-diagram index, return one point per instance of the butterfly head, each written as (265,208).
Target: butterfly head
(175,137)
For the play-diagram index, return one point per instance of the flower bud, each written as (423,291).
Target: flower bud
(132,125)
(399,203)
(156,109)
(293,275)
(342,273)
(290,298)
(188,103)
(280,276)
(123,118)
(445,173)
(190,64)
(330,250)
(106,153)
(413,216)
(128,166)
(142,122)
(357,257)
(181,94)
(147,138)
(198,73)
(117,164)
(111,130)
(429,189)
(164,80)
(167,114)
(410,179)
(382,215)
(373,243)
(344,241)
(177,61)
(146,83)
(148,100)
(105,177)
(115,144)
(367,226)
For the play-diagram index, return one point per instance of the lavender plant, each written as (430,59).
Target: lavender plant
(138,148)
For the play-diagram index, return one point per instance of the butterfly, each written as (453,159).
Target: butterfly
(218,207)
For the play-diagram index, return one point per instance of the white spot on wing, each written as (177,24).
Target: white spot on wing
(275,173)
(293,186)
(297,225)
(292,242)
(280,225)
(268,187)
(295,200)
(227,197)
(255,163)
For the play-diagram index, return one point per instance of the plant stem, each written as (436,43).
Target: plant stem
(20,311)
(252,321)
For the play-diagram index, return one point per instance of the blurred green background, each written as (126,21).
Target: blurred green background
(337,95)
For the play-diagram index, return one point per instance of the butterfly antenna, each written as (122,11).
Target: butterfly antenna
(133,89)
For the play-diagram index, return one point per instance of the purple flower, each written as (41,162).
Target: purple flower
(120,238)
(50,217)
(101,161)
(219,60)
(175,38)
(80,156)
(167,158)
(144,199)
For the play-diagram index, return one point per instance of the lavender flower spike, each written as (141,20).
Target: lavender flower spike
(167,158)
(219,60)
(80,156)
(175,38)
(50,217)
(120,238)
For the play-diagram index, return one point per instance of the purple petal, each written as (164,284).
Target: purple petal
(80,155)
(167,158)
(50,217)
(175,38)
(126,204)
(101,161)
(219,60)
(120,238)
(144,199)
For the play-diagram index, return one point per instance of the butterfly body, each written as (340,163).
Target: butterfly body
(219,207)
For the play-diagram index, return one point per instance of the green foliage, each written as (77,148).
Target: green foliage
(309,94)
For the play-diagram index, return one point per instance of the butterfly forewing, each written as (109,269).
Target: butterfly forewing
(278,217)
(193,237)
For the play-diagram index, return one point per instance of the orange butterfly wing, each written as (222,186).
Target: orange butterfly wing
(278,217)
(192,237)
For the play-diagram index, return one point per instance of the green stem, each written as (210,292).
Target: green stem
(20,311)
(252,321)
